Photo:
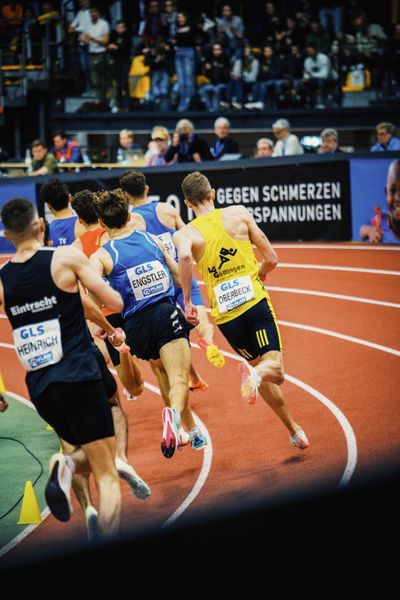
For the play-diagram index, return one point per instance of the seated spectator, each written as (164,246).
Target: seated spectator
(287,143)
(318,77)
(264,148)
(271,23)
(287,36)
(160,60)
(161,138)
(319,37)
(126,145)
(119,49)
(386,140)
(216,70)
(292,66)
(231,27)
(186,145)
(64,150)
(224,143)
(269,78)
(330,142)
(243,77)
(43,162)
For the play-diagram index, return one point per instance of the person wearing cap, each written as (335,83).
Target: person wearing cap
(287,143)
(265,148)
(161,140)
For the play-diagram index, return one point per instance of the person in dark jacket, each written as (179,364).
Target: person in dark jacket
(270,75)
(160,60)
(186,145)
(217,70)
(224,143)
(119,48)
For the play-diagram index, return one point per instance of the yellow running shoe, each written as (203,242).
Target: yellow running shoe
(214,354)
(199,386)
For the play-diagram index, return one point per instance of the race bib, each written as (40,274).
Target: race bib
(39,345)
(148,279)
(166,239)
(233,293)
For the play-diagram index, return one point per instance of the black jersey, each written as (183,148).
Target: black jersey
(49,328)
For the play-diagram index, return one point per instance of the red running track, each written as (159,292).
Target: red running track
(351,414)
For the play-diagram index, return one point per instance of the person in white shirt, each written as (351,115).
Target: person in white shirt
(80,24)
(287,143)
(96,36)
(318,74)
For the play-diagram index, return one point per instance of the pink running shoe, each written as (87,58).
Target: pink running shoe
(170,436)
(250,382)
(299,439)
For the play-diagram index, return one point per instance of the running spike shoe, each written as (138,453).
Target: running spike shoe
(214,354)
(170,436)
(58,487)
(299,439)
(250,382)
(139,488)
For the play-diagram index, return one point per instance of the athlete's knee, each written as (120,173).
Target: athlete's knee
(279,374)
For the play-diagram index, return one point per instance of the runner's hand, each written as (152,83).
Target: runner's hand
(3,404)
(117,339)
(99,332)
(191,314)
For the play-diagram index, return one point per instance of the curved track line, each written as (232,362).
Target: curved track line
(340,417)
(275,288)
(336,268)
(45,512)
(342,336)
(336,247)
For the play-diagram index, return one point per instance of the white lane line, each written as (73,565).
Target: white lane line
(336,247)
(336,268)
(45,512)
(204,471)
(275,288)
(349,434)
(342,336)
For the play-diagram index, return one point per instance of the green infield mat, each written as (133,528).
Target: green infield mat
(21,426)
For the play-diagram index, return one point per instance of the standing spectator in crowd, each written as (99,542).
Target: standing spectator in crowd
(161,138)
(318,77)
(243,77)
(97,36)
(160,60)
(12,14)
(287,143)
(386,140)
(120,51)
(224,143)
(272,22)
(291,34)
(169,19)
(154,25)
(319,37)
(126,145)
(232,29)
(394,60)
(331,14)
(187,145)
(43,162)
(264,148)
(330,142)
(184,60)
(269,77)
(79,25)
(64,150)
(216,69)
(292,67)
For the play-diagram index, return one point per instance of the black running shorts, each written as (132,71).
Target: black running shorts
(108,379)
(153,327)
(254,332)
(79,412)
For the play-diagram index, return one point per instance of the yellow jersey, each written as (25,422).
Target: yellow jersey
(229,269)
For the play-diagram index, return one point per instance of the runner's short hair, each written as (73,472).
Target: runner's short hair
(17,215)
(83,205)
(196,188)
(56,193)
(112,208)
(133,183)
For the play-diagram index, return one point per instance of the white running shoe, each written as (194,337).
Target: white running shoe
(58,487)
(139,488)
(184,437)
(129,396)
(299,439)
(92,525)
(250,382)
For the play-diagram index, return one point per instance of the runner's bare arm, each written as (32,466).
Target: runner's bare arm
(70,259)
(1,293)
(183,245)
(172,266)
(169,216)
(262,243)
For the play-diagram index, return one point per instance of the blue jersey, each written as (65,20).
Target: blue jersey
(153,225)
(140,273)
(62,231)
